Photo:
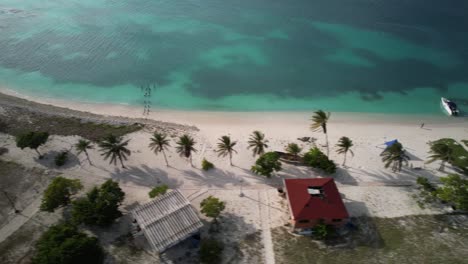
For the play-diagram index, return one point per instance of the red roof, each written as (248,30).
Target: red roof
(306,206)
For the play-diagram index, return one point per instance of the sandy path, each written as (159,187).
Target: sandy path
(265,216)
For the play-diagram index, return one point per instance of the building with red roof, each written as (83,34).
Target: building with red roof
(313,201)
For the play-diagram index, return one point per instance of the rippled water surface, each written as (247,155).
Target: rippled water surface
(358,55)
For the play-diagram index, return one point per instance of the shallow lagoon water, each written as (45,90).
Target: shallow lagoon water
(352,56)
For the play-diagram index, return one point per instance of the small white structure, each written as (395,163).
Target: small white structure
(167,220)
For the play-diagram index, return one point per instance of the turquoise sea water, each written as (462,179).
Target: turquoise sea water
(247,55)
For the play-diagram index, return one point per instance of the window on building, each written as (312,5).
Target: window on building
(336,220)
(303,221)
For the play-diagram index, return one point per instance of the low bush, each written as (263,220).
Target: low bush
(206,165)
(317,159)
(211,251)
(158,190)
(61,158)
(266,164)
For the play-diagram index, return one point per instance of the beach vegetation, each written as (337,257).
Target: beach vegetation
(395,156)
(266,164)
(32,140)
(186,147)
(59,193)
(212,207)
(211,251)
(100,206)
(319,122)
(159,144)
(115,148)
(226,147)
(82,146)
(448,150)
(317,159)
(61,158)
(294,150)
(257,143)
(158,190)
(206,165)
(344,146)
(453,190)
(440,151)
(63,243)
(322,231)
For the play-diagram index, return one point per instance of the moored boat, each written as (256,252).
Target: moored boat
(450,107)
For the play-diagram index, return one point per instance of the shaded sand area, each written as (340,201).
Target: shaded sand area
(367,187)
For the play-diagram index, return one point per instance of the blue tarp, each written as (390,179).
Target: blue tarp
(391,142)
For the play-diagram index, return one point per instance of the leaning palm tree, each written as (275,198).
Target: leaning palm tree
(160,143)
(258,142)
(226,147)
(83,146)
(394,156)
(344,145)
(185,147)
(319,121)
(294,150)
(115,148)
(441,151)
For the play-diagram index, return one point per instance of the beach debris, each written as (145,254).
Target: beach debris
(307,139)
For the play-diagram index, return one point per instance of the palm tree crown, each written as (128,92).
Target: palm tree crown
(293,149)
(185,147)
(160,143)
(115,148)
(226,147)
(344,145)
(319,121)
(394,156)
(258,142)
(441,151)
(83,146)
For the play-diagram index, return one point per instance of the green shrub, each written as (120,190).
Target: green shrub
(317,159)
(61,158)
(206,165)
(58,193)
(100,206)
(322,231)
(455,191)
(211,251)
(158,190)
(266,164)
(212,207)
(32,140)
(64,244)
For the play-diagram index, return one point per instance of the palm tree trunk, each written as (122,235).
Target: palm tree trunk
(87,157)
(442,166)
(191,163)
(165,158)
(328,148)
(38,153)
(230,158)
(121,162)
(344,160)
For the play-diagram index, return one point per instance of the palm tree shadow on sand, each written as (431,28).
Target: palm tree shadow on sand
(145,176)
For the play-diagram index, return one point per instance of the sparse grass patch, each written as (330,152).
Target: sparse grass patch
(412,239)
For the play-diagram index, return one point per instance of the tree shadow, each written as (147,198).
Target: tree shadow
(145,176)
(48,160)
(214,177)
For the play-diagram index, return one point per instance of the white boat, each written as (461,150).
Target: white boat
(450,107)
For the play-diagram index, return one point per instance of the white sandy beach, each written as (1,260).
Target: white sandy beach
(368,188)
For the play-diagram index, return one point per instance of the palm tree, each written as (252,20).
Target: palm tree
(258,142)
(83,146)
(344,145)
(160,143)
(319,121)
(293,149)
(115,148)
(395,156)
(226,147)
(185,147)
(441,151)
